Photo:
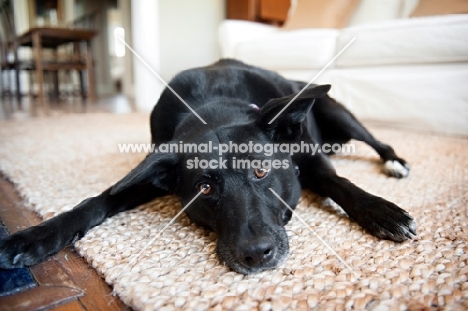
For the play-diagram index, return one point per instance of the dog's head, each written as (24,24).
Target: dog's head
(233,186)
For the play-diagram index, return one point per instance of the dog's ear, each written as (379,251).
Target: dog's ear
(281,118)
(160,169)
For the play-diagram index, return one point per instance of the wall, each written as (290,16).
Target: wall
(145,35)
(189,34)
(126,19)
(172,35)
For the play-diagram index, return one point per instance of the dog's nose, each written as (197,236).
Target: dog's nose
(256,253)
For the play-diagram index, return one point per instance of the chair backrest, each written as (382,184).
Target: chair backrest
(3,51)
(87,21)
(7,31)
(7,21)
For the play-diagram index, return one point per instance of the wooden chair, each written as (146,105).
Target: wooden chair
(5,68)
(51,61)
(86,21)
(8,50)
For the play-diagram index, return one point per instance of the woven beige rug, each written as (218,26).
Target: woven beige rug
(56,162)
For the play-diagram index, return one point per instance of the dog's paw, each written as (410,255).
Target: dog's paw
(396,168)
(385,220)
(28,247)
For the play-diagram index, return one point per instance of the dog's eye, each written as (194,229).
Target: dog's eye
(261,172)
(205,188)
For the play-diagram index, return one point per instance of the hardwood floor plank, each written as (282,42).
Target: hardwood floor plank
(71,306)
(41,297)
(29,108)
(62,278)
(98,294)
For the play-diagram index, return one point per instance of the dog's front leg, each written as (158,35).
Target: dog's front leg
(375,214)
(33,245)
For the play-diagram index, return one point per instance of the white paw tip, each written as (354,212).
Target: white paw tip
(395,168)
(17,258)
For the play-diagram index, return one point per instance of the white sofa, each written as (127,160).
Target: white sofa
(407,71)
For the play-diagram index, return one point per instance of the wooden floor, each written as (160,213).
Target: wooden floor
(11,108)
(65,281)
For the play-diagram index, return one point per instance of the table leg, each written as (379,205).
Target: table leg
(38,61)
(17,74)
(90,71)
(77,56)
(55,77)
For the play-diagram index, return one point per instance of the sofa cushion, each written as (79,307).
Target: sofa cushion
(437,39)
(295,49)
(233,32)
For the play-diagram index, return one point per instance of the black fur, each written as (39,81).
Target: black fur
(248,219)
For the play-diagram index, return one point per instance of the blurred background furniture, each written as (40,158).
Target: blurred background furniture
(408,64)
(39,38)
(269,12)
(53,49)
(10,64)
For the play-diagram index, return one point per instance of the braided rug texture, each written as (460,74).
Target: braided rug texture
(56,162)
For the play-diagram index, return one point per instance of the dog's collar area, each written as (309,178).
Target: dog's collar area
(296,167)
(254,106)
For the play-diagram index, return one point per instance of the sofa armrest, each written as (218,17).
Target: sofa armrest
(233,32)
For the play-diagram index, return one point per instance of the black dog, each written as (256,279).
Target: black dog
(238,102)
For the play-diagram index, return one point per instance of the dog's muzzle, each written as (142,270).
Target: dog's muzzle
(255,253)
